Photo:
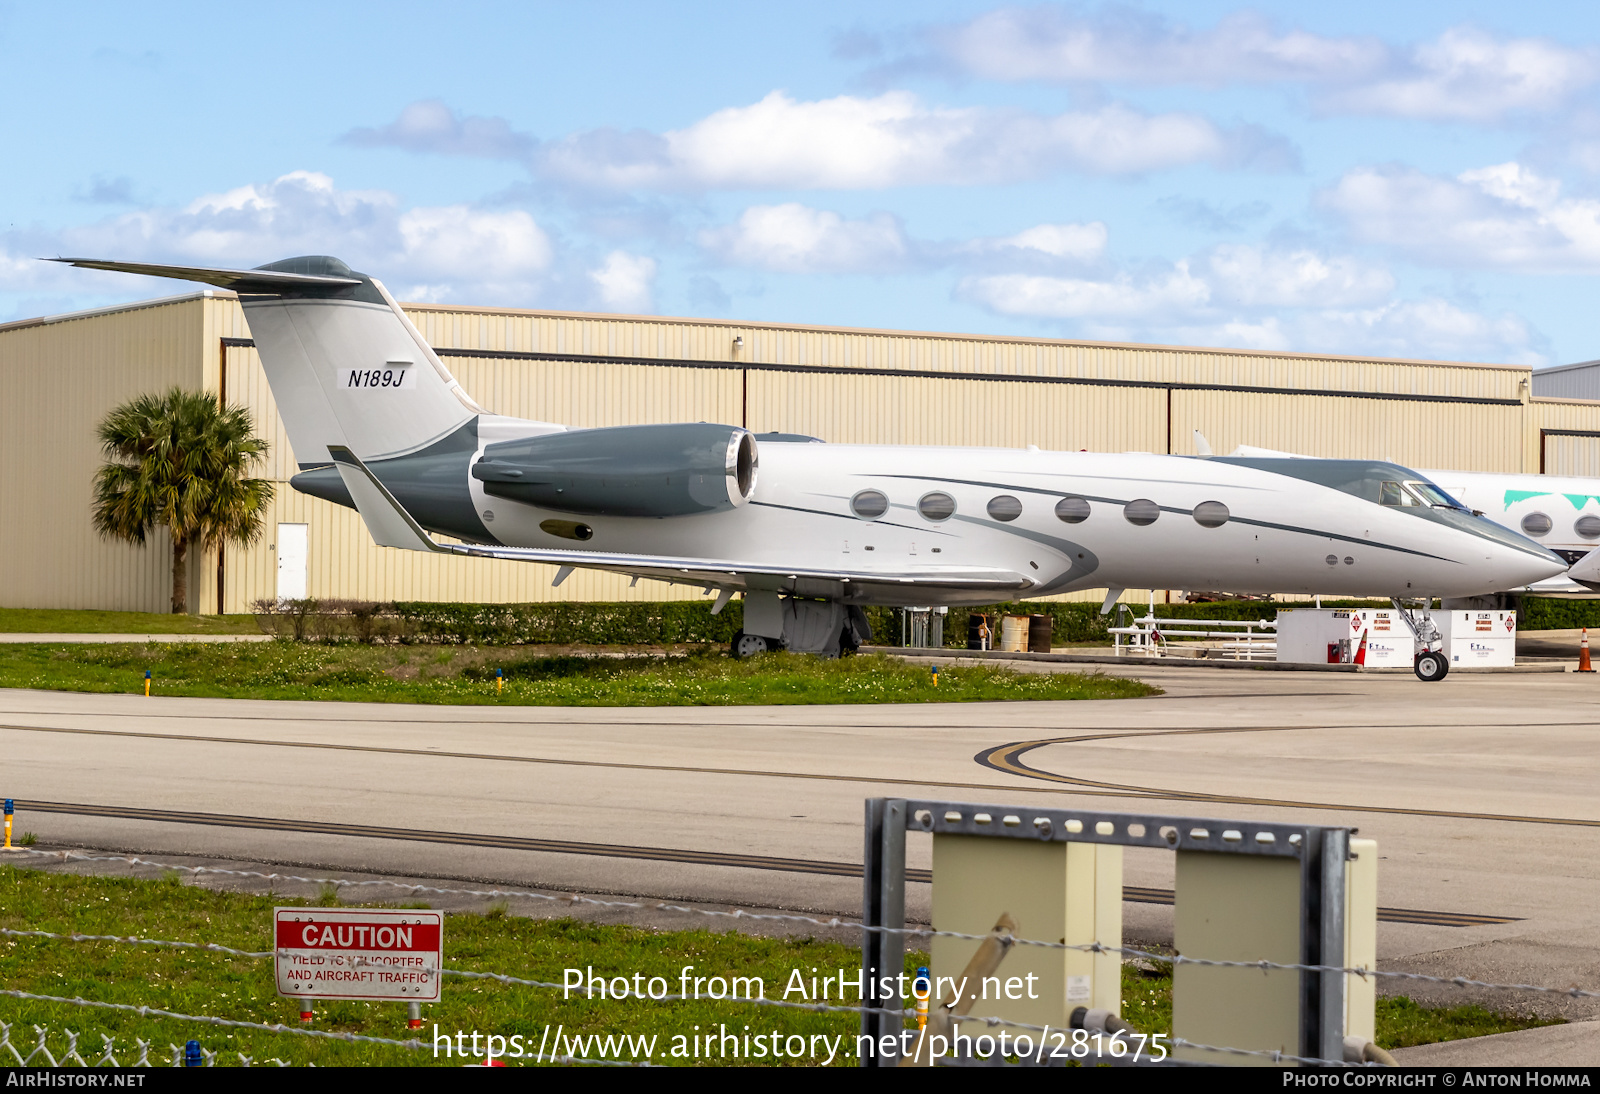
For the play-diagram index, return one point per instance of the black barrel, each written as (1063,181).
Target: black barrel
(1040,628)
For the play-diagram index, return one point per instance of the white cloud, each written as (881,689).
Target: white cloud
(794,238)
(1464,74)
(1227,278)
(894,139)
(456,251)
(1050,44)
(1261,298)
(1504,216)
(1074,242)
(1258,277)
(1468,75)
(625,282)
(1122,297)
(429,126)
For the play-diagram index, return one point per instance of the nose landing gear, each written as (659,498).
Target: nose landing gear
(1430,663)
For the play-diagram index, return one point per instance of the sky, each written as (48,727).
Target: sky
(1416,180)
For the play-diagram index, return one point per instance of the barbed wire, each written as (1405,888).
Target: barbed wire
(834,922)
(275,1027)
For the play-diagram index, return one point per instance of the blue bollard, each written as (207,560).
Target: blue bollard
(191,1055)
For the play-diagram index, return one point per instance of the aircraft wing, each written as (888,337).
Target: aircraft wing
(391,526)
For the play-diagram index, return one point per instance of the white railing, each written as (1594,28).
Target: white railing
(1148,636)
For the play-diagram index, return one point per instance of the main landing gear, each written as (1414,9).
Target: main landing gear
(1430,664)
(749,645)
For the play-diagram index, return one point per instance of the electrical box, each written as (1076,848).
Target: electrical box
(1479,640)
(1315,636)
(1054,890)
(1248,908)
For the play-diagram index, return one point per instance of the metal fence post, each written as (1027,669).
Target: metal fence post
(1335,853)
(1322,867)
(883,904)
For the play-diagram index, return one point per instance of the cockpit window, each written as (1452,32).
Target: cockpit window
(1432,495)
(1414,492)
(1392,493)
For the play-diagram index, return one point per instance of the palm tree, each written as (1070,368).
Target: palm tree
(180,460)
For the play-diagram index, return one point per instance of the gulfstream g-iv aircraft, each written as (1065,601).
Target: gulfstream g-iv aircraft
(809,531)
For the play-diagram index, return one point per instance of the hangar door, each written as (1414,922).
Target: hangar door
(1569,453)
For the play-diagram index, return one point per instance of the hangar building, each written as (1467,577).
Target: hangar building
(62,374)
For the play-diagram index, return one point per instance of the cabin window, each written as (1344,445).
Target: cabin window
(1537,524)
(1588,527)
(869,504)
(1211,514)
(1005,507)
(1072,510)
(1141,511)
(936,506)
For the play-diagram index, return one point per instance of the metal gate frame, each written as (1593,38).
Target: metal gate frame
(1322,853)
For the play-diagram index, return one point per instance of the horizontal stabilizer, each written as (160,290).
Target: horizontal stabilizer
(244,281)
(389,524)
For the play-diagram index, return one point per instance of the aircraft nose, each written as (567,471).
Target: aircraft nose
(1516,565)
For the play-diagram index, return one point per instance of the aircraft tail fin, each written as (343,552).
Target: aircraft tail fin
(345,365)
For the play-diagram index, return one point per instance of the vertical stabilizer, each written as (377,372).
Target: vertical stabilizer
(346,367)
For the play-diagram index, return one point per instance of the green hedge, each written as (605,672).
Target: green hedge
(686,622)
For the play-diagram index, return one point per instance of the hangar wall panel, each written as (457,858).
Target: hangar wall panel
(60,380)
(1563,436)
(921,410)
(1458,436)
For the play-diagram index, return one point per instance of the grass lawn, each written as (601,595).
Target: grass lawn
(466,674)
(223,986)
(51,621)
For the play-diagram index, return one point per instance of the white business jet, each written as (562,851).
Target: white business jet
(809,532)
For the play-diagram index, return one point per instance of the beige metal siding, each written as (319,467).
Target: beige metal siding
(60,379)
(1459,436)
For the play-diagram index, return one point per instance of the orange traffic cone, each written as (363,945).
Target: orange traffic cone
(1361,651)
(1583,653)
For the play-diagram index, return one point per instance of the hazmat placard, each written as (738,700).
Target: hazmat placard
(367,953)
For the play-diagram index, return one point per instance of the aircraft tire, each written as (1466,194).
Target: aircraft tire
(749,645)
(1431,666)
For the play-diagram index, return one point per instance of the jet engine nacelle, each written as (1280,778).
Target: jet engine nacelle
(625,471)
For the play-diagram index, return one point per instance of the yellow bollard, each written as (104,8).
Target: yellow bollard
(147,683)
(10,809)
(499,681)
(922,988)
(935,675)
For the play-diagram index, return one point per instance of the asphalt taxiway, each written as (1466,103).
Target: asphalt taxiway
(1479,790)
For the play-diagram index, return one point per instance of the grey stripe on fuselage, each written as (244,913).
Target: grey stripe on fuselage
(1174,509)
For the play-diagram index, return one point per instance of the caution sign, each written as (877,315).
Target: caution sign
(376,953)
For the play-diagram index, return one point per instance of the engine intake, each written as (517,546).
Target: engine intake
(625,471)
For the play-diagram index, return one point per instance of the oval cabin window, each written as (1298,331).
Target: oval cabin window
(869,504)
(1141,511)
(1005,507)
(936,506)
(1537,524)
(1072,510)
